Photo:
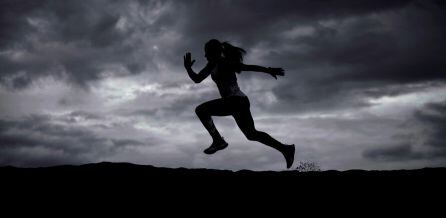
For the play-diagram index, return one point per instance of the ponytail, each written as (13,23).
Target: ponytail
(232,53)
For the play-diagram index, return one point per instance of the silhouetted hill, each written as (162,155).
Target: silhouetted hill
(108,170)
(112,177)
(152,187)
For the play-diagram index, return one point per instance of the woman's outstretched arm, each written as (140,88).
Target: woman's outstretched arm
(196,77)
(274,72)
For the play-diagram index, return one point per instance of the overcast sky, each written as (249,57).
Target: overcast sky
(91,81)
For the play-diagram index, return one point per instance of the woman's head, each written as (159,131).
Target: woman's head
(214,50)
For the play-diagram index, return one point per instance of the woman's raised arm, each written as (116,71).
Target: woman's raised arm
(196,77)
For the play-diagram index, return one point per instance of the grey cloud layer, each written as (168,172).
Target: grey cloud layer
(42,140)
(337,55)
(76,41)
(428,144)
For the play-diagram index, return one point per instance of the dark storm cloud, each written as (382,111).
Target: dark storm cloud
(250,23)
(13,19)
(253,21)
(76,41)
(402,50)
(431,119)
(333,60)
(393,153)
(38,140)
(355,49)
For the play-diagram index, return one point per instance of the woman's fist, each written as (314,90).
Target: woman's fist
(276,72)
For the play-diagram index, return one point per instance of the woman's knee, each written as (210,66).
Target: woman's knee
(252,135)
(200,110)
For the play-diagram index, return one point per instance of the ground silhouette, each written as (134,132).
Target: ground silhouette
(111,179)
(104,170)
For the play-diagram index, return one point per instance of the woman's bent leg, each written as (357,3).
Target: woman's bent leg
(211,108)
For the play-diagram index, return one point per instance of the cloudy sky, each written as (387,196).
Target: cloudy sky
(103,80)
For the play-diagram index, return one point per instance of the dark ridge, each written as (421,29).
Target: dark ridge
(110,177)
(107,180)
(152,188)
(129,169)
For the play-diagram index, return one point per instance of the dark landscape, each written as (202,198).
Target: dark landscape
(167,186)
(127,172)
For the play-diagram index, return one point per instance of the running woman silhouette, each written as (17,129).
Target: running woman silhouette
(224,60)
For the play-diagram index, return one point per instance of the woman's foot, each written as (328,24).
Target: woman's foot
(288,153)
(216,146)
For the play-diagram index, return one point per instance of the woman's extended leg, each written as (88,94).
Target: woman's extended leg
(246,124)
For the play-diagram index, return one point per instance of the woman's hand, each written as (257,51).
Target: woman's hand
(275,72)
(188,62)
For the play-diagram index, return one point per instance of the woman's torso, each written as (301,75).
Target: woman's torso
(224,76)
